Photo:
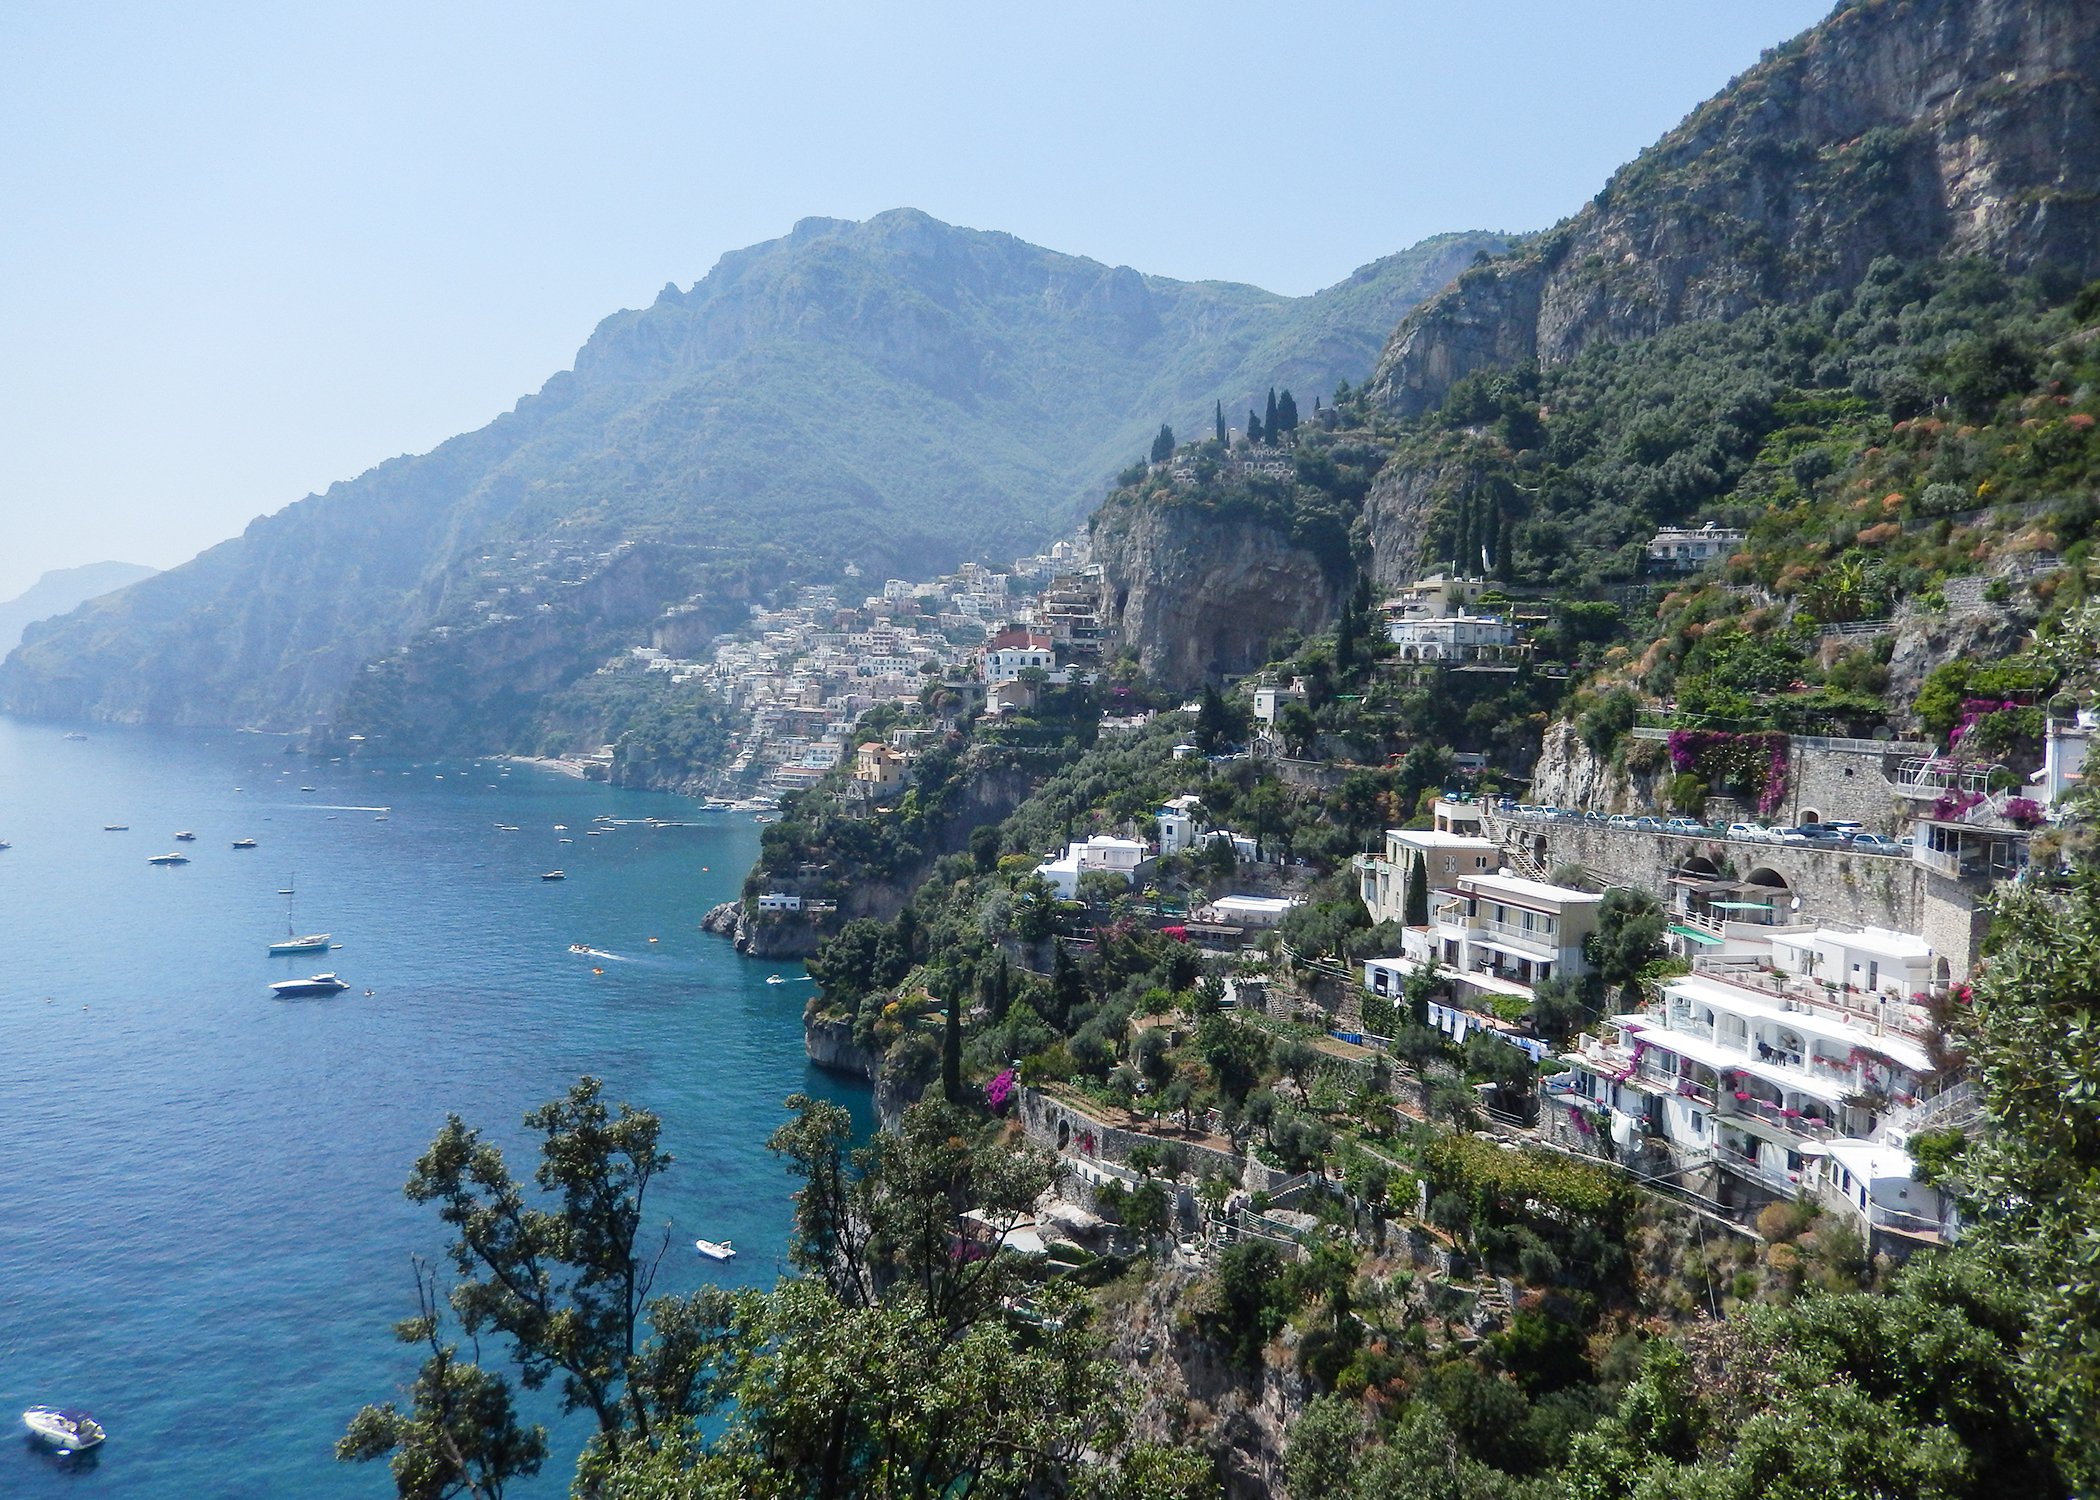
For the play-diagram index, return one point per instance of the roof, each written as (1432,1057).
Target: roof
(1871,1161)
(1883,941)
(1535,890)
(1430,838)
(1276,904)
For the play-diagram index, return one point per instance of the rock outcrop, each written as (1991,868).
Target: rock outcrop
(1197,596)
(1909,128)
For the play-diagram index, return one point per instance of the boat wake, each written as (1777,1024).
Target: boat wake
(583,951)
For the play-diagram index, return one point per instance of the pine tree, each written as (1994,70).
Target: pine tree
(1254,430)
(1287,412)
(1220,417)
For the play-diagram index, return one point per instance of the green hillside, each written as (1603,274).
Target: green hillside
(898,394)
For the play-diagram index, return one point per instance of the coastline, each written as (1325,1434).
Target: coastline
(562,767)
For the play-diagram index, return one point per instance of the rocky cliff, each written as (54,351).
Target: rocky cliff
(1196,595)
(1898,127)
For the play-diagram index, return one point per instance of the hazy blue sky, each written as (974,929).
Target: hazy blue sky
(249,250)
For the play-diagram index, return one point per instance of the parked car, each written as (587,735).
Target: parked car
(1842,825)
(1755,833)
(1822,833)
(1874,843)
(1684,825)
(1619,820)
(1647,824)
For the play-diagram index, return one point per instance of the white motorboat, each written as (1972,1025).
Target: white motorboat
(185,837)
(554,875)
(319,984)
(64,1429)
(715,1249)
(244,843)
(169,859)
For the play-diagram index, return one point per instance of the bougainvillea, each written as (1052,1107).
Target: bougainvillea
(2024,812)
(1753,766)
(1000,1090)
(1949,806)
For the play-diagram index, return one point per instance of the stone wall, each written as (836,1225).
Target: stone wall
(1062,1127)
(1812,884)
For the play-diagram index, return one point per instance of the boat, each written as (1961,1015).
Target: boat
(63,1428)
(169,859)
(715,1249)
(554,875)
(116,827)
(74,734)
(319,984)
(244,843)
(185,837)
(312,942)
(4,844)
(775,979)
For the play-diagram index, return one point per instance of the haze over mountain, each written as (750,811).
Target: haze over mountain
(897,393)
(61,590)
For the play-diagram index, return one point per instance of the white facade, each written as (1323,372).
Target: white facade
(1101,852)
(1762,1082)
(1248,911)
(2064,750)
(1459,637)
(1009,662)
(779,901)
(1502,934)
(1874,960)
(1269,699)
(1681,548)
(1382,878)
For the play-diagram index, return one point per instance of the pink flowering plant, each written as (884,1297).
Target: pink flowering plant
(1000,1091)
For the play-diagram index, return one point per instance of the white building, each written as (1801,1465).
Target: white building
(1871,961)
(1247,911)
(779,901)
(1446,854)
(1101,852)
(1459,637)
(1760,1085)
(1269,698)
(1679,549)
(2064,750)
(1503,934)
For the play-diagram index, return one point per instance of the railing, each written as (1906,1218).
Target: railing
(1945,863)
(1547,943)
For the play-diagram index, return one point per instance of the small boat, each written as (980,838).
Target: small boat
(4,844)
(578,948)
(61,1428)
(715,1249)
(169,859)
(75,734)
(116,827)
(554,875)
(244,843)
(306,789)
(185,837)
(775,979)
(319,984)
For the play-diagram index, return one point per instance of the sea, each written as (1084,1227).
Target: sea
(203,1236)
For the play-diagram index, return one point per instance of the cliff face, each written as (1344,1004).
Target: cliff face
(1196,596)
(1898,127)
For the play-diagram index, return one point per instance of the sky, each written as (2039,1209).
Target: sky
(249,250)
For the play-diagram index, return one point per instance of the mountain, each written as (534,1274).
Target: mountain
(1888,218)
(1906,128)
(897,394)
(62,590)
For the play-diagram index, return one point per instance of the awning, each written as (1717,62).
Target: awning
(1741,905)
(1697,936)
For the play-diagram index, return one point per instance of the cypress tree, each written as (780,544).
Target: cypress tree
(1287,412)
(1002,992)
(1253,426)
(1462,532)
(1415,911)
(1268,422)
(1163,444)
(1220,416)
(951,1051)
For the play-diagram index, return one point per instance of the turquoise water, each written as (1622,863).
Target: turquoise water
(202,1233)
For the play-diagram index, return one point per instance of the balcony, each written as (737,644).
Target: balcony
(1545,944)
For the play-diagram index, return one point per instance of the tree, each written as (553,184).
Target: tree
(1218,416)
(951,1051)
(1254,427)
(1298,728)
(1163,444)
(1628,937)
(1268,421)
(1416,913)
(566,1284)
(1286,413)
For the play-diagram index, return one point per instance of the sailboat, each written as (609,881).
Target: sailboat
(312,942)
